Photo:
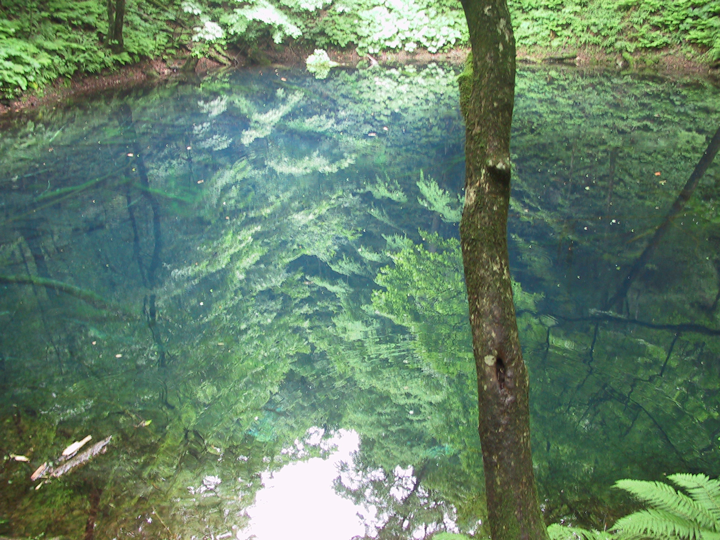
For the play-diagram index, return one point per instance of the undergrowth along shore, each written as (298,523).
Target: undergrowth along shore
(43,41)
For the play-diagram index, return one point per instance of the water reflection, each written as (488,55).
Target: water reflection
(299,500)
(226,278)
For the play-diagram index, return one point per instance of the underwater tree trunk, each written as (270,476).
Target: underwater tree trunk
(487,94)
(687,191)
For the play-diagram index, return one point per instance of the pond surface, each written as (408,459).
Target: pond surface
(248,291)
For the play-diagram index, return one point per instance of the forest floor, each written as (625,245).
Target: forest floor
(671,64)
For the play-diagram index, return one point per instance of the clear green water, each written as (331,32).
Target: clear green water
(225,276)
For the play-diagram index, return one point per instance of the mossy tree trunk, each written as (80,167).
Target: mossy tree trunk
(487,93)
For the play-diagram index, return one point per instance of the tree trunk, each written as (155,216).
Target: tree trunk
(111,21)
(487,93)
(116,18)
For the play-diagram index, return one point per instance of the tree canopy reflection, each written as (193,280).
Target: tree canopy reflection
(308,277)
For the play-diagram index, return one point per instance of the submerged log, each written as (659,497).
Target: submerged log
(80,459)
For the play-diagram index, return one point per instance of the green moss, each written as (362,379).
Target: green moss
(465,85)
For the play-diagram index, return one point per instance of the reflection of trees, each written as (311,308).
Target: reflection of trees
(265,315)
(401,506)
(635,395)
(199,358)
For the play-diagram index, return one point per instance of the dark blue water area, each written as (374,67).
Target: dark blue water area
(247,290)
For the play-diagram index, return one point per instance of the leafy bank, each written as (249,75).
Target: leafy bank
(43,40)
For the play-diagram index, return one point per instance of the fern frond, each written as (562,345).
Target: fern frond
(704,491)
(665,498)
(558,532)
(655,523)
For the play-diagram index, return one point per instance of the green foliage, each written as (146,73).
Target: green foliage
(47,39)
(425,291)
(269,18)
(319,64)
(207,33)
(434,198)
(388,189)
(560,532)
(672,514)
(55,38)
(374,25)
(262,124)
(20,65)
(622,26)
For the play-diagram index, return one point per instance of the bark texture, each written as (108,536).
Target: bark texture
(116,19)
(487,92)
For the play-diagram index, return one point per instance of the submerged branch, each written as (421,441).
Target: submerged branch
(51,198)
(86,296)
(606,316)
(80,459)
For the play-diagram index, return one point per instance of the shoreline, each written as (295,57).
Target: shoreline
(670,64)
